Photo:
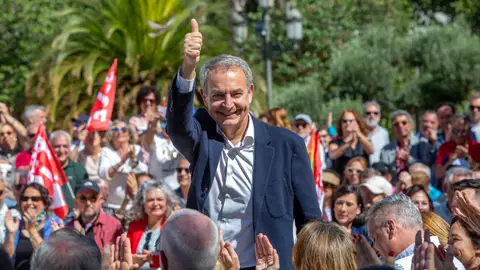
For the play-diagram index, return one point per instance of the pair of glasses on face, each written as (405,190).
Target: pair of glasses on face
(472,108)
(354,171)
(300,125)
(398,123)
(179,170)
(6,133)
(459,132)
(31,135)
(33,198)
(344,121)
(370,113)
(117,130)
(84,199)
(148,100)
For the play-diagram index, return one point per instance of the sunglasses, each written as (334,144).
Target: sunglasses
(344,121)
(179,170)
(303,125)
(147,100)
(472,107)
(374,113)
(398,123)
(7,133)
(459,132)
(116,130)
(354,171)
(31,135)
(33,198)
(84,199)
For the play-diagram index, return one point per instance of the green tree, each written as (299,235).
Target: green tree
(96,32)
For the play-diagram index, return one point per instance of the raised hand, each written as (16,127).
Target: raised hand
(228,256)
(56,226)
(121,255)
(266,255)
(467,209)
(12,224)
(192,46)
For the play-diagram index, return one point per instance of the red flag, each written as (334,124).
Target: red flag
(315,153)
(47,171)
(102,109)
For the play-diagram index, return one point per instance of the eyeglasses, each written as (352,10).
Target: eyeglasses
(354,171)
(33,198)
(116,130)
(302,125)
(31,135)
(459,132)
(147,100)
(369,113)
(398,123)
(472,108)
(84,199)
(344,121)
(7,133)
(179,170)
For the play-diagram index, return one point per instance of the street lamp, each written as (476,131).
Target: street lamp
(239,26)
(294,25)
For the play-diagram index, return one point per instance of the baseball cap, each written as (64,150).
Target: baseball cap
(378,185)
(331,178)
(88,185)
(304,117)
(82,118)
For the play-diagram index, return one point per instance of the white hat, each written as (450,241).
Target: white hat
(378,185)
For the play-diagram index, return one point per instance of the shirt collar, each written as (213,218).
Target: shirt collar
(406,252)
(247,141)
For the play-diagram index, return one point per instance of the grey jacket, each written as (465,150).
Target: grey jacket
(420,151)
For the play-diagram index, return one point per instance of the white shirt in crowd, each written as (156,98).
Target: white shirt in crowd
(3,213)
(117,184)
(379,139)
(229,201)
(164,160)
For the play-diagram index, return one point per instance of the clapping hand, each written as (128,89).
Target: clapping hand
(29,220)
(267,257)
(366,255)
(119,255)
(56,226)
(228,256)
(132,186)
(427,256)
(11,223)
(192,46)
(467,209)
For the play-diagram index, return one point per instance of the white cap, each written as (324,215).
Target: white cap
(378,185)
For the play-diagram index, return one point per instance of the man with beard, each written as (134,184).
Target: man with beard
(376,134)
(89,218)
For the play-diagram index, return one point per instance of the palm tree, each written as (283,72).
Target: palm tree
(146,37)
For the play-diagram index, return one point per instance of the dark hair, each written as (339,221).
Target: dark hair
(449,104)
(43,194)
(467,183)
(345,190)
(417,188)
(145,91)
(472,234)
(67,249)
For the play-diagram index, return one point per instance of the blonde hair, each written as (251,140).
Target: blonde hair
(437,226)
(323,247)
(109,135)
(421,178)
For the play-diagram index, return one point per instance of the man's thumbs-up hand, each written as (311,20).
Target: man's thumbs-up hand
(192,46)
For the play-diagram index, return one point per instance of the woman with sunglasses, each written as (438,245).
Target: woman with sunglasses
(152,205)
(353,169)
(147,99)
(184,178)
(24,235)
(118,160)
(351,141)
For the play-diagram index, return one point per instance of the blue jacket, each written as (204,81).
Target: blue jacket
(283,187)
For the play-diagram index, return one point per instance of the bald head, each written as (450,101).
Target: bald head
(189,240)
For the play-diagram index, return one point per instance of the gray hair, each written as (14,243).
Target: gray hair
(421,167)
(138,210)
(66,249)
(190,240)
(371,103)
(58,133)
(225,61)
(398,207)
(474,97)
(31,109)
(398,113)
(457,171)
(459,116)
(131,133)
(429,112)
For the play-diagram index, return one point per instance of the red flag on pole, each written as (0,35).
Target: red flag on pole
(47,171)
(102,109)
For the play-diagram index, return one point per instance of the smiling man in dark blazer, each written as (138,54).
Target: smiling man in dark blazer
(247,176)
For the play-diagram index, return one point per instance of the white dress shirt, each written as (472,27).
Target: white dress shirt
(379,139)
(229,201)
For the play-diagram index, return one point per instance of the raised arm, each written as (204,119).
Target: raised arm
(184,130)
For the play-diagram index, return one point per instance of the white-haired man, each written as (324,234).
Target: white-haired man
(35,114)
(75,172)
(453,175)
(392,226)
(189,240)
(377,134)
(434,193)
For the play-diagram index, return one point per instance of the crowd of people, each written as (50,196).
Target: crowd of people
(222,189)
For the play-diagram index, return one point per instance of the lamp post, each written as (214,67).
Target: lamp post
(266,5)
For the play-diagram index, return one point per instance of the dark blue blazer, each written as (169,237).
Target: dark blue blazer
(283,186)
